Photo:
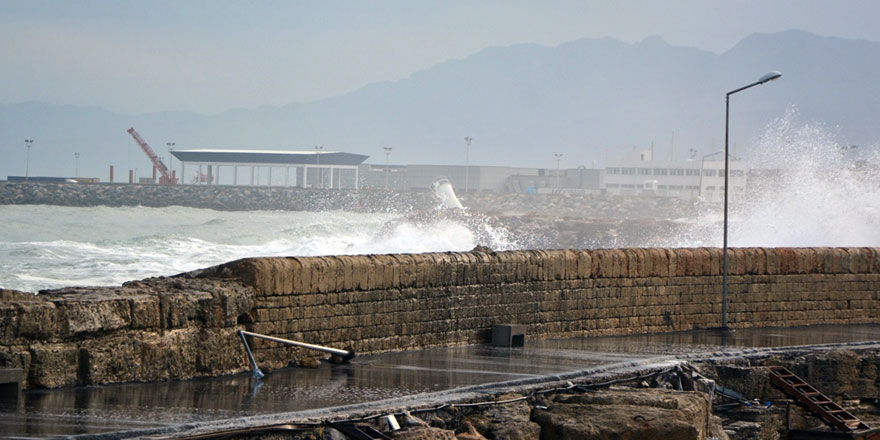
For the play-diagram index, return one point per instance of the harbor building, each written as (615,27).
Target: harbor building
(636,173)
(306,168)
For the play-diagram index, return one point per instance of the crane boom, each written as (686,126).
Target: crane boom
(167,178)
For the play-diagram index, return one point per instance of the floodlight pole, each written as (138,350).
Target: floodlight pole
(467,162)
(766,78)
(558,156)
(387,170)
(28,143)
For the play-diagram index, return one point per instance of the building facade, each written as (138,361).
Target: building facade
(638,174)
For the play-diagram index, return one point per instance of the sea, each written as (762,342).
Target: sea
(827,194)
(45,247)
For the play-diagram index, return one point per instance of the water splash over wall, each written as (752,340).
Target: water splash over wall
(807,188)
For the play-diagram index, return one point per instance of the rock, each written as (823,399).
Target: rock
(507,420)
(308,362)
(470,433)
(643,414)
(409,420)
(742,430)
(424,433)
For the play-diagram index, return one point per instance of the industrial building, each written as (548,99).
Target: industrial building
(637,173)
(481,178)
(306,169)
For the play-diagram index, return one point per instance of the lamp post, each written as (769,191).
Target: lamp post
(170,146)
(702,165)
(558,156)
(76,166)
(467,162)
(28,143)
(318,162)
(387,170)
(766,78)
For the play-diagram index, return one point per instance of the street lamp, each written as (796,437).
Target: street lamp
(318,163)
(76,167)
(558,156)
(467,162)
(387,170)
(170,146)
(27,167)
(702,165)
(766,78)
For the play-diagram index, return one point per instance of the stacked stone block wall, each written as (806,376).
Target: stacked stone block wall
(143,331)
(185,326)
(392,302)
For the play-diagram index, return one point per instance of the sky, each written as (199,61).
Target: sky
(210,56)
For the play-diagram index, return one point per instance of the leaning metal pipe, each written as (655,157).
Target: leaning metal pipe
(345,354)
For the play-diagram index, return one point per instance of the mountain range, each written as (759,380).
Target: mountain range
(589,99)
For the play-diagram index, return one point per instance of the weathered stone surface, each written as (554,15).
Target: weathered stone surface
(391,302)
(423,433)
(645,414)
(53,365)
(507,421)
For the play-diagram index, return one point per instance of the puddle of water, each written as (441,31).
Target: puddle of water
(88,410)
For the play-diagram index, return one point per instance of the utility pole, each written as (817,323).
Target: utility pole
(558,156)
(76,167)
(27,167)
(387,170)
(467,162)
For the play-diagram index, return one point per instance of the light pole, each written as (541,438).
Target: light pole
(318,162)
(170,146)
(558,157)
(27,167)
(467,162)
(76,166)
(766,78)
(702,164)
(387,170)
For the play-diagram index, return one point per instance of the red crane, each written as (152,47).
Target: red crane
(167,178)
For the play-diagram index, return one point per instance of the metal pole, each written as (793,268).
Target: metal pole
(345,354)
(467,163)
(724,281)
(257,373)
(27,167)
(558,157)
(76,165)
(766,78)
(170,146)
(387,170)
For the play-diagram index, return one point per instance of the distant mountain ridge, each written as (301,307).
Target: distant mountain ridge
(587,99)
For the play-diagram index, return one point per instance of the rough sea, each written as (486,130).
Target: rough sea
(44,247)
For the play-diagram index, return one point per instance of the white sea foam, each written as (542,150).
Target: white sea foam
(824,193)
(48,247)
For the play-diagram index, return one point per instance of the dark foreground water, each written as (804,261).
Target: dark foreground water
(102,409)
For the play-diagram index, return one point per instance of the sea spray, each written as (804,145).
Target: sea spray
(49,247)
(806,188)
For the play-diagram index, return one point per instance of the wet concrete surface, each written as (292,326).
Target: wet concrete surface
(113,408)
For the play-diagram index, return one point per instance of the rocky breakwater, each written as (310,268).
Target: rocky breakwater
(224,198)
(142,331)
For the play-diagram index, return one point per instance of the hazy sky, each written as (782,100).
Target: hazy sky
(209,56)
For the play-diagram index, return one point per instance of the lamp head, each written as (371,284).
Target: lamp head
(770,77)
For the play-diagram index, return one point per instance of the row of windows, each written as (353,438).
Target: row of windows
(670,172)
(660,187)
(668,187)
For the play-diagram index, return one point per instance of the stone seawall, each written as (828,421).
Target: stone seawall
(185,326)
